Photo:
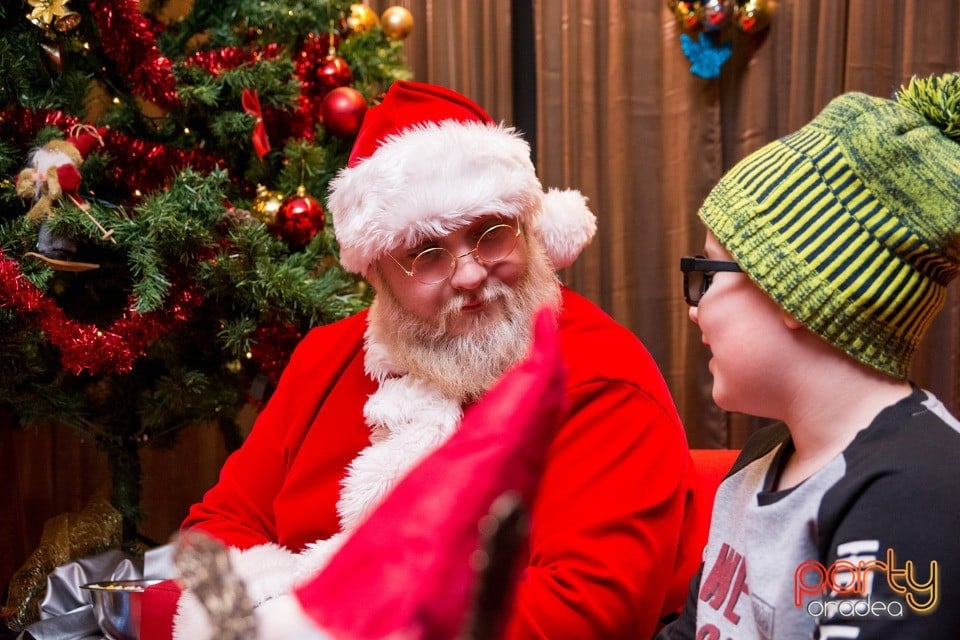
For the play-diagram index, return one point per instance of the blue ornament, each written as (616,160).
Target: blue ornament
(705,56)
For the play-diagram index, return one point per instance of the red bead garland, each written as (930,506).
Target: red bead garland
(147,165)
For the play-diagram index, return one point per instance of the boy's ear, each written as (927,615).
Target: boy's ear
(790,321)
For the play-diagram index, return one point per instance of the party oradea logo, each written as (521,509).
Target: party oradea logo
(844,589)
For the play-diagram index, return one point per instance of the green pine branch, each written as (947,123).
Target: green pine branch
(193,232)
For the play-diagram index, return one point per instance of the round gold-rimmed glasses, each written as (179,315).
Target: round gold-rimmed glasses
(436,264)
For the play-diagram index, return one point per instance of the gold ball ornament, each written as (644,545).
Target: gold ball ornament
(687,15)
(266,205)
(396,22)
(752,16)
(362,18)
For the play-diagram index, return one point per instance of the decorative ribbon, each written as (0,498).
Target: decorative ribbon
(251,104)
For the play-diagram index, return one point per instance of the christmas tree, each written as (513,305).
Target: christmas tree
(163,243)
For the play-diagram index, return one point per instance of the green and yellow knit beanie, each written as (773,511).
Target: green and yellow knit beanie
(852,223)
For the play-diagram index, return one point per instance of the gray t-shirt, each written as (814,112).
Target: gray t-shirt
(868,547)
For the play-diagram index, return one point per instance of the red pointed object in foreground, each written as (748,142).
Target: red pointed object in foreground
(406,570)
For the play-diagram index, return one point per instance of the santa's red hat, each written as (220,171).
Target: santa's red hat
(428,161)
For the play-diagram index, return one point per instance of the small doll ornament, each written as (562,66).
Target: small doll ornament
(53,175)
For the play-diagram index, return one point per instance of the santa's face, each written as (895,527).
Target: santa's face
(475,294)
(463,333)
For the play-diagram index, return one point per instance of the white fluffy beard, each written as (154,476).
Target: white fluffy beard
(464,366)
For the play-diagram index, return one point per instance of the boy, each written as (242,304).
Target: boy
(826,258)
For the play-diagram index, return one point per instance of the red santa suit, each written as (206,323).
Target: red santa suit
(606,537)
(607,556)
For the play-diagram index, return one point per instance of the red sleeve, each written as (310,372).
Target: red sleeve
(69,177)
(606,525)
(239,509)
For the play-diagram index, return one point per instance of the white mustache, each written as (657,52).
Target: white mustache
(489,293)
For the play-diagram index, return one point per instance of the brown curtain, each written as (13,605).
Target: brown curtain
(621,118)
(464,45)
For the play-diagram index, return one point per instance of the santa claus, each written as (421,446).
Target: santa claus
(441,210)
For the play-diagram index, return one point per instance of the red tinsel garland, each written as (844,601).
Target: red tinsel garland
(216,61)
(146,166)
(87,347)
(129,43)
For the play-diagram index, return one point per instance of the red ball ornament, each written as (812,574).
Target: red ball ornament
(716,14)
(299,219)
(332,72)
(342,111)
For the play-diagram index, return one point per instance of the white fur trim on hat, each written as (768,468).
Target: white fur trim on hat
(417,186)
(565,226)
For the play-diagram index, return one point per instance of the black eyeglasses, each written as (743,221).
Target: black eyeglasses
(698,275)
